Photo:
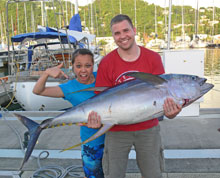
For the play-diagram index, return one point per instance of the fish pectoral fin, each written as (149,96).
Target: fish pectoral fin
(90,89)
(148,78)
(100,132)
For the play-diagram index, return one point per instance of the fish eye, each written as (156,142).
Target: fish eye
(194,77)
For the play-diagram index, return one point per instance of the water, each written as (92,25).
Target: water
(212,73)
(3,71)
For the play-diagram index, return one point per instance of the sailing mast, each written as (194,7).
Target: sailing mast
(3,25)
(183,30)
(76,7)
(169,24)
(32,19)
(1,31)
(42,13)
(135,17)
(25,16)
(17,14)
(12,26)
(96,20)
(92,24)
(196,19)
(155,20)
(213,17)
(120,6)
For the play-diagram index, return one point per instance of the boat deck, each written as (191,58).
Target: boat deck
(191,146)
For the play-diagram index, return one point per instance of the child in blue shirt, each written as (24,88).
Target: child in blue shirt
(82,65)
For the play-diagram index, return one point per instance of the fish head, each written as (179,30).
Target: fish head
(187,88)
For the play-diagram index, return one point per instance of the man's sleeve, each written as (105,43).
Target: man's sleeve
(104,74)
(158,68)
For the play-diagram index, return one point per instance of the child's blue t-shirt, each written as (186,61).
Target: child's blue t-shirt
(77,98)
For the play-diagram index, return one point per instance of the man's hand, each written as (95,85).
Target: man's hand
(171,109)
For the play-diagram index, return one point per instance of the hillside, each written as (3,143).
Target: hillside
(103,11)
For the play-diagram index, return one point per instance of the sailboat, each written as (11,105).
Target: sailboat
(182,42)
(197,42)
(47,47)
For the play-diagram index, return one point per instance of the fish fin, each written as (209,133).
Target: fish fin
(148,78)
(91,89)
(100,132)
(34,130)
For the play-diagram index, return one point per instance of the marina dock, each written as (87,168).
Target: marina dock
(191,146)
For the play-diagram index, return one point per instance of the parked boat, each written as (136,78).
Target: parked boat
(44,49)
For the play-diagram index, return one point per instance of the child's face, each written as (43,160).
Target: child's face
(83,68)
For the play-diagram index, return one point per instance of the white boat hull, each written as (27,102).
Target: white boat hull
(31,102)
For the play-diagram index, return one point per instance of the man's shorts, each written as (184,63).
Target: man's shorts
(92,160)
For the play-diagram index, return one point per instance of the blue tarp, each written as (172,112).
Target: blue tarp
(38,35)
(71,38)
(75,23)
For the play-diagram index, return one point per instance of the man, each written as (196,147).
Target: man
(144,136)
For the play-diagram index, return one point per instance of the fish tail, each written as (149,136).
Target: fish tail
(34,132)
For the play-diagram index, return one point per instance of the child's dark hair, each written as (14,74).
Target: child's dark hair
(82,51)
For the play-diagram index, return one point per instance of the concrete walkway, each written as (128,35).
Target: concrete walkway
(191,146)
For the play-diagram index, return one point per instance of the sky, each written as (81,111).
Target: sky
(193,3)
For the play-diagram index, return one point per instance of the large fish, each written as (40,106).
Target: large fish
(134,101)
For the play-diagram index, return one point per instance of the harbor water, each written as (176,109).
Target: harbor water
(212,73)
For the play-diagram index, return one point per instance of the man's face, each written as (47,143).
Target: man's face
(123,34)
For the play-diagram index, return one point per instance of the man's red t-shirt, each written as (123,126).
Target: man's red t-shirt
(111,72)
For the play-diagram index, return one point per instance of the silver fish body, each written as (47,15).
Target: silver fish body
(137,101)
(134,101)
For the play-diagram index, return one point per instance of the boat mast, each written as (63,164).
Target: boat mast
(169,24)
(183,30)
(25,16)
(92,24)
(213,17)
(32,19)
(96,23)
(76,7)
(66,12)
(71,6)
(196,19)
(155,20)
(17,14)
(120,6)
(1,31)
(135,17)
(165,20)
(4,29)
(42,13)
(12,26)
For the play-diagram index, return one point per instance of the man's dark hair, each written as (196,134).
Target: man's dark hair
(119,18)
(82,51)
